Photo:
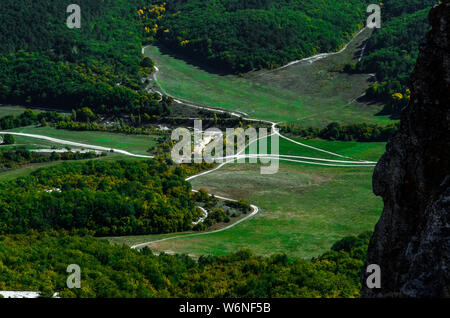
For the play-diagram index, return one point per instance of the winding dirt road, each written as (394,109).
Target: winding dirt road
(240,155)
(312,161)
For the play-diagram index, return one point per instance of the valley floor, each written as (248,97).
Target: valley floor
(304,208)
(323,190)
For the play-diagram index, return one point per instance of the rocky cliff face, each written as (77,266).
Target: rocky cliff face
(411,243)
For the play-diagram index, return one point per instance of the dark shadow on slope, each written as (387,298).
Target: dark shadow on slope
(191,60)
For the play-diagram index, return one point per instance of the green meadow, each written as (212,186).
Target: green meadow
(136,144)
(303,210)
(371,151)
(11,110)
(313,94)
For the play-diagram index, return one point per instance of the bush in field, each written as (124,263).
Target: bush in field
(9,140)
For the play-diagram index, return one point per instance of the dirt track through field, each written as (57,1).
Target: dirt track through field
(297,159)
(304,160)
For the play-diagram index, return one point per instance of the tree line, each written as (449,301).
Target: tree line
(393,50)
(15,158)
(100,197)
(28,118)
(335,131)
(38,261)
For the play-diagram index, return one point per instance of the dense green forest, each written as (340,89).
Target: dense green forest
(38,261)
(118,127)
(7,140)
(107,32)
(44,63)
(100,65)
(241,36)
(104,198)
(393,50)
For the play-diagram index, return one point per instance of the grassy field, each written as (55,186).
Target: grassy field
(12,110)
(25,170)
(304,210)
(308,93)
(370,151)
(137,144)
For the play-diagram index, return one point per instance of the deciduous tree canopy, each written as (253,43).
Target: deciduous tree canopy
(104,198)
(100,65)
(245,35)
(39,261)
(393,50)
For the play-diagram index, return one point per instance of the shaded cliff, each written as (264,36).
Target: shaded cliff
(411,243)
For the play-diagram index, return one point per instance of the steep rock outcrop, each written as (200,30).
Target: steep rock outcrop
(411,243)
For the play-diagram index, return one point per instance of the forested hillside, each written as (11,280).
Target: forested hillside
(396,8)
(100,65)
(103,198)
(393,50)
(245,35)
(39,262)
(106,33)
